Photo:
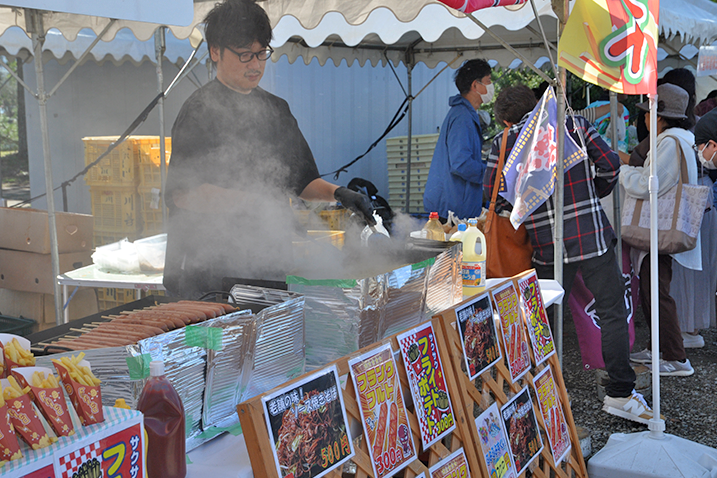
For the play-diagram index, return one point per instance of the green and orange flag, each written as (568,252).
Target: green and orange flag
(613,44)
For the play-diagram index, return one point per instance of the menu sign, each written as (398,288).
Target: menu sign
(511,327)
(428,384)
(494,444)
(538,327)
(522,427)
(454,465)
(308,426)
(478,335)
(383,413)
(552,410)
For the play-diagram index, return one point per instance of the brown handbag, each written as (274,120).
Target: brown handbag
(509,251)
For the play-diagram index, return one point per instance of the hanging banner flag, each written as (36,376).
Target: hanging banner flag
(468,6)
(613,44)
(529,173)
(428,384)
(378,389)
(511,326)
(538,327)
(494,444)
(552,410)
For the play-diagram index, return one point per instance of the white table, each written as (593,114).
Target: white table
(91,276)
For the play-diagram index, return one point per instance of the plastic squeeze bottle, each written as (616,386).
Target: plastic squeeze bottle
(434,229)
(456,237)
(164,423)
(473,266)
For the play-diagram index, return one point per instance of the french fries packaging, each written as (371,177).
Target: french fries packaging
(9,447)
(82,387)
(46,392)
(22,414)
(16,353)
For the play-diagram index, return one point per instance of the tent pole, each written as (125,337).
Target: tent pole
(545,38)
(616,200)
(656,425)
(38,38)
(159,48)
(409,68)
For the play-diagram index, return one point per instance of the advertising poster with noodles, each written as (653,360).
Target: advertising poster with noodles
(308,426)
(428,384)
(383,413)
(454,465)
(478,336)
(515,342)
(531,300)
(494,444)
(552,410)
(522,427)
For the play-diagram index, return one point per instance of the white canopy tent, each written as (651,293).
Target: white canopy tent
(424,30)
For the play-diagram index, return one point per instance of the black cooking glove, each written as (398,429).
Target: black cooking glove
(357,202)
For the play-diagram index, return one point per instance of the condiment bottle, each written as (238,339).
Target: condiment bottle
(473,266)
(434,229)
(164,423)
(456,237)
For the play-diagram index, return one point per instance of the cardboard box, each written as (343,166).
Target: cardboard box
(24,229)
(29,272)
(41,307)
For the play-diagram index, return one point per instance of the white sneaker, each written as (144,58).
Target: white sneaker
(673,368)
(690,341)
(644,356)
(633,408)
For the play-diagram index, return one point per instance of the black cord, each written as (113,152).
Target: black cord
(392,124)
(215,293)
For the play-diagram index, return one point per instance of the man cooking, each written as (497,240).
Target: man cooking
(237,158)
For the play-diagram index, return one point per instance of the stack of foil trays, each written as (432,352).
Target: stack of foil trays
(343,316)
(258,348)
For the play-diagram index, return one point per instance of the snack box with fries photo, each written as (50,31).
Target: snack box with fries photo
(16,353)
(23,416)
(82,387)
(46,392)
(9,447)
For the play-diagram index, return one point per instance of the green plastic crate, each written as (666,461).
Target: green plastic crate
(16,325)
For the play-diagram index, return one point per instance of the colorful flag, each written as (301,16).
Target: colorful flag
(468,6)
(529,173)
(613,44)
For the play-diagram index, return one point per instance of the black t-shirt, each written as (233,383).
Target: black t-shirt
(249,142)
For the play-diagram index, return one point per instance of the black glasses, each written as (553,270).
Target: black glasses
(247,56)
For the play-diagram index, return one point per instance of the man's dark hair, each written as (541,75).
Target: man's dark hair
(470,71)
(513,103)
(237,23)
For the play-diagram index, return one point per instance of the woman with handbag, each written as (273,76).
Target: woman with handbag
(674,142)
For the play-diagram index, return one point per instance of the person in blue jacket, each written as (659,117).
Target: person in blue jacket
(455,180)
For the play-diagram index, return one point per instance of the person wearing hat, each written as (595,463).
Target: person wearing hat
(706,140)
(672,134)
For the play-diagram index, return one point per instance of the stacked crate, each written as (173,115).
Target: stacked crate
(397,155)
(125,191)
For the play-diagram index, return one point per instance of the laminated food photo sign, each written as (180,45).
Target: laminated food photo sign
(308,426)
(112,448)
(522,427)
(424,369)
(511,326)
(454,465)
(385,423)
(538,327)
(494,444)
(477,330)
(552,410)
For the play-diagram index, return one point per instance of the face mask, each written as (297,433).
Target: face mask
(707,163)
(490,91)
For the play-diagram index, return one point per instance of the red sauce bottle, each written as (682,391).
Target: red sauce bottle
(164,423)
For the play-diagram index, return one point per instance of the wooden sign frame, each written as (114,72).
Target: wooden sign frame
(493,384)
(251,416)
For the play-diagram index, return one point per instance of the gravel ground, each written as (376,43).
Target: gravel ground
(689,404)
